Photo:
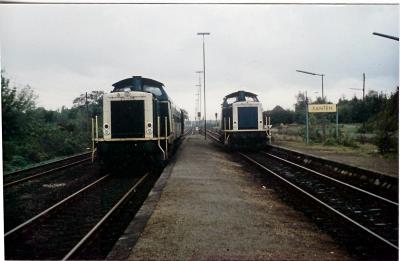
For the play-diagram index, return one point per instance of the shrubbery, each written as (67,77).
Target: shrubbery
(377,116)
(32,135)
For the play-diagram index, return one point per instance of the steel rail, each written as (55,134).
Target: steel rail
(333,179)
(44,173)
(322,203)
(103,220)
(29,221)
(212,135)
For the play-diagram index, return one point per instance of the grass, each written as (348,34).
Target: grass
(365,155)
(38,164)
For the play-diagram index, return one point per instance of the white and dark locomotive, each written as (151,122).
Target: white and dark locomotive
(139,122)
(242,124)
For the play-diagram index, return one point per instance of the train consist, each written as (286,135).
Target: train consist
(242,124)
(140,122)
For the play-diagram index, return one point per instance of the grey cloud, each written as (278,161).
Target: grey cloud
(74,49)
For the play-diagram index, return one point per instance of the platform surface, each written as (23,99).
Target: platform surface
(212,208)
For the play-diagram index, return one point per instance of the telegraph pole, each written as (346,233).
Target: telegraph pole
(363,86)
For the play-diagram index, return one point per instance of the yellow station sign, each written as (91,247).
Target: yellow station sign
(313,108)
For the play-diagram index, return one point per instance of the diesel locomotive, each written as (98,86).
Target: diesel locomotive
(242,125)
(140,122)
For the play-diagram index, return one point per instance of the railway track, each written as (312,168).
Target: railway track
(73,227)
(24,175)
(373,217)
(378,183)
(26,199)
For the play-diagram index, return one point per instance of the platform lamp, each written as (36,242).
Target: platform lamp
(322,77)
(386,36)
(204,83)
(199,85)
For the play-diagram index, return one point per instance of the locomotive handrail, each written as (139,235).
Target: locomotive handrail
(97,129)
(166,136)
(224,128)
(158,137)
(133,139)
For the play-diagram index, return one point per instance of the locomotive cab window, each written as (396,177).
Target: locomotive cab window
(251,98)
(231,100)
(152,89)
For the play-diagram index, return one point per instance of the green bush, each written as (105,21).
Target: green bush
(386,142)
(330,142)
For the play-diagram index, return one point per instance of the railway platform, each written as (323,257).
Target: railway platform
(207,205)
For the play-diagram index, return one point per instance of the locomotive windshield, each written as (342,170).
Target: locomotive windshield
(153,89)
(251,98)
(137,83)
(240,96)
(146,88)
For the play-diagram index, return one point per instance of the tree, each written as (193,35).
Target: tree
(387,125)
(280,115)
(93,98)
(300,108)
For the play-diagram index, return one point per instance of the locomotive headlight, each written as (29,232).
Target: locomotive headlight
(106,129)
(149,131)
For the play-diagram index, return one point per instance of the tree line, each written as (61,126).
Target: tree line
(34,134)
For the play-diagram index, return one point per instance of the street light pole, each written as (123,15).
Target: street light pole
(386,36)
(322,75)
(204,84)
(199,85)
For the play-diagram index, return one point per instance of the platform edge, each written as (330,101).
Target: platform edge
(132,233)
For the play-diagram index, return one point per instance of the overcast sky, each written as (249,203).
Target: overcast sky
(65,50)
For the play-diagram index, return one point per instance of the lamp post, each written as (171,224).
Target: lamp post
(386,36)
(199,90)
(322,77)
(198,106)
(323,98)
(204,83)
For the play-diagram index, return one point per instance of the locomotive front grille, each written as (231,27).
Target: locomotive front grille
(127,119)
(247,118)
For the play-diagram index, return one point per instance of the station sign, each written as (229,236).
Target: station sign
(314,108)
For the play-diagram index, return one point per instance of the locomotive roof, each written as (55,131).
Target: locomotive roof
(239,96)
(128,81)
(137,83)
(236,94)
